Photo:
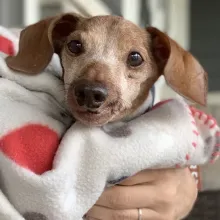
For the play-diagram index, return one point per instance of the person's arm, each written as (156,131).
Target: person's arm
(161,195)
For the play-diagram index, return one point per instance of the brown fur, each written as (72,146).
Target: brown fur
(107,42)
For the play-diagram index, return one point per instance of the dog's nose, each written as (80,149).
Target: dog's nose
(91,95)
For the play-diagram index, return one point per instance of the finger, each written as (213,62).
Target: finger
(190,191)
(141,177)
(148,176)
(103,213)
(128,197)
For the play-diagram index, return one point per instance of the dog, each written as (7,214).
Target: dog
(109,64)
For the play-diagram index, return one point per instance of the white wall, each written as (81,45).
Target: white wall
(94,7)
(131,10)
(179,30)
(31,11)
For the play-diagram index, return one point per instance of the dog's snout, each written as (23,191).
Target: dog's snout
(89,94)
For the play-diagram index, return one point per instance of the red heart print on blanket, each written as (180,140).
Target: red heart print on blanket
(32,146)
(6,46)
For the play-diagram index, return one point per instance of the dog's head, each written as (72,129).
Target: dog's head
(109,64)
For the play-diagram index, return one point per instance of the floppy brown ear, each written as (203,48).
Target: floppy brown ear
(39,41)
(181,70)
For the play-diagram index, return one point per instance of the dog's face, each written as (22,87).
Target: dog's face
(109,64)
(108,69)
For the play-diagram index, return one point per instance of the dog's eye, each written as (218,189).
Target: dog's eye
(75,47)
(134,59)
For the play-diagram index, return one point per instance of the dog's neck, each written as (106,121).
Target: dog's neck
(118,128)
(147,105)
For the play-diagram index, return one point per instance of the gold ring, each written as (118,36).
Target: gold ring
(139,214)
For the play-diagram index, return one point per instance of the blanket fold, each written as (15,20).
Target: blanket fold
(50,173)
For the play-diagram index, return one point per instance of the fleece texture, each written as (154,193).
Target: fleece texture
(50,173)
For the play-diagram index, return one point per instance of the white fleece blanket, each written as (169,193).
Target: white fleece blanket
(42,178)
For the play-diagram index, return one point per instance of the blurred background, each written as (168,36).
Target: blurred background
(192,23)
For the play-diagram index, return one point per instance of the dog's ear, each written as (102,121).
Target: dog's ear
(39,41)
(181,70)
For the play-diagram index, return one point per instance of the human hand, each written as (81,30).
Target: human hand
(160,194)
